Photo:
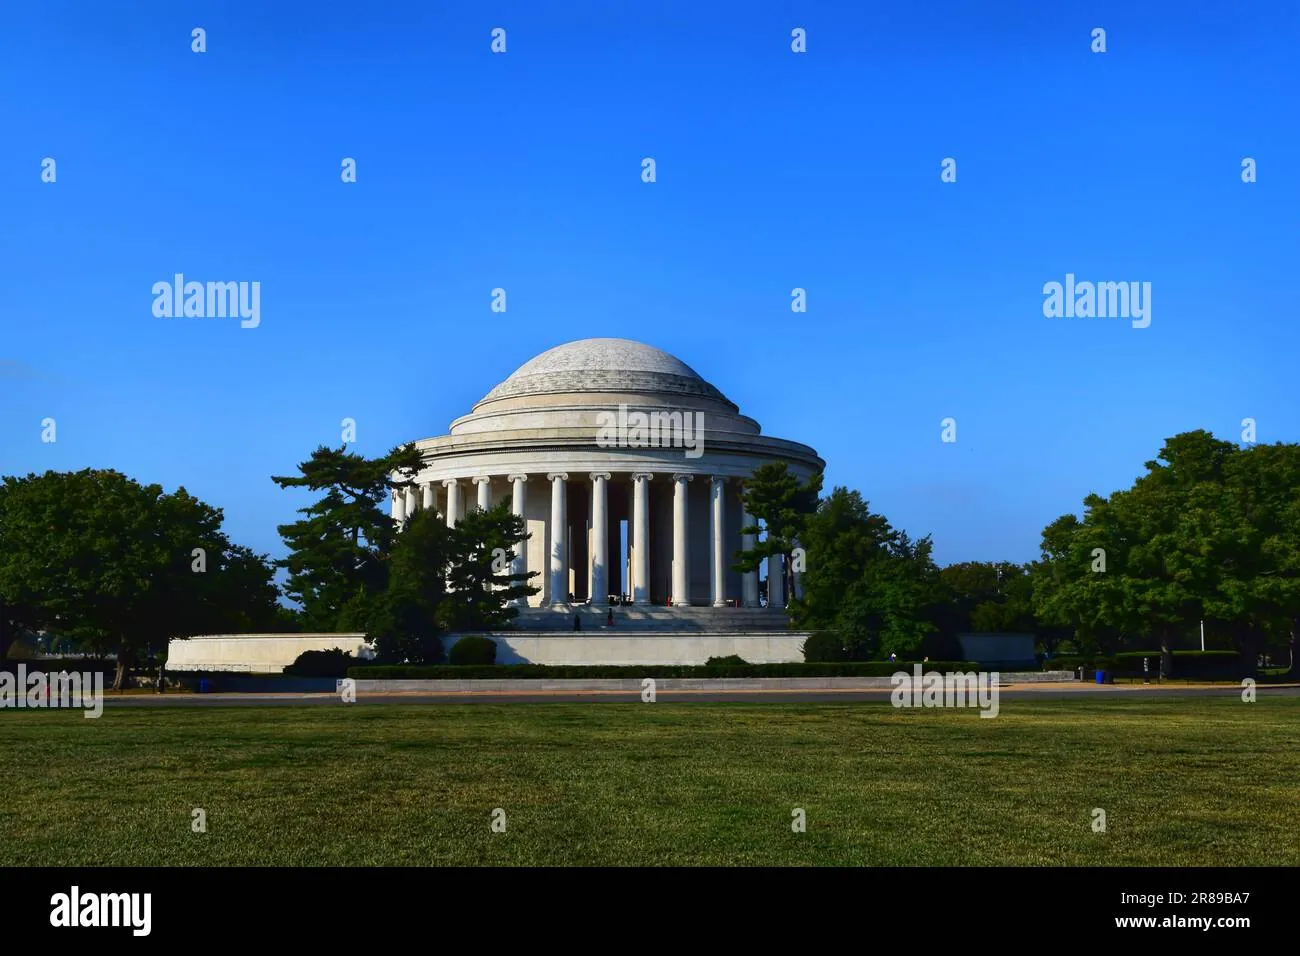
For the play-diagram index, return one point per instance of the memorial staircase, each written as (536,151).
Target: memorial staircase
(653,618)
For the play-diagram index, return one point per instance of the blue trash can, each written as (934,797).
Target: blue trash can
(206,688)
(1101,677)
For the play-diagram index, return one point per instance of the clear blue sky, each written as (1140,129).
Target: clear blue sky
(775,170)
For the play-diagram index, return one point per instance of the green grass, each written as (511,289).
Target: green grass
(1197,781)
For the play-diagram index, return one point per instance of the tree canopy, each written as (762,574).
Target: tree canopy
(118,567)
(338,551)
(871,585)
(353,568)
(781,505)
(445,579)
(1210,532)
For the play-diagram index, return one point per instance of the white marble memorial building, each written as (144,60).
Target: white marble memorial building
(625,465)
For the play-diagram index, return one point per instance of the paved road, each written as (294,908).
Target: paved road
(1009,693)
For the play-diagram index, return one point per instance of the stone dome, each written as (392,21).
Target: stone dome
(562,412)
(605,366)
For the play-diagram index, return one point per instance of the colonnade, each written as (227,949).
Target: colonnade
(639,524)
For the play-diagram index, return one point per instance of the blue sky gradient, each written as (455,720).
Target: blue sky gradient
(775,170)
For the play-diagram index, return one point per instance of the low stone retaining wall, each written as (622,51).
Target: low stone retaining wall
(272,653)
(253,653)
(611,646)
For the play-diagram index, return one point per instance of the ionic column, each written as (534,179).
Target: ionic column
(517,506)
(717,539)
(412,501)
(399,505)
(484,492)
(775,581)
(429,496)
(600,537)
(559,534)
(749,581)
(681,539)
(641,538)
(453,501)
(797,574)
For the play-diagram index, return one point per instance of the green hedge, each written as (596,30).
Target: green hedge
(823,647)
(636,672)
(473,651)
(331,663)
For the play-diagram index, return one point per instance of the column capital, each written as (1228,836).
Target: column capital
(481,478)
(516,477)
(562,475)
(638,475)
(682,476)
(718,479)
(600,474)
(448,482)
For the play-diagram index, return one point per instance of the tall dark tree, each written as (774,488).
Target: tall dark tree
(405,622)
(17,620)
(338,551)
(443,580)
(990,596)
(481,575)
(866,582)
(780,504)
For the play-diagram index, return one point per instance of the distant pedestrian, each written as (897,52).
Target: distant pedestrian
(609,618)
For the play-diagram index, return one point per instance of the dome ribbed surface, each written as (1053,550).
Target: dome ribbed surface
(604,365)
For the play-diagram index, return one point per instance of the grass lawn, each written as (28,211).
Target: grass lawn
(1197,781)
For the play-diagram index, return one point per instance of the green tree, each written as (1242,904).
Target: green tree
(1257,534)
(870,584)
(122,568)
(406,620)
(1209,532)
(338,551)
(990,596)
(774,497)
(481,575)
(18,621)
(443,580)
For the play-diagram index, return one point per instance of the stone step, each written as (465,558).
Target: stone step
(638,618)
